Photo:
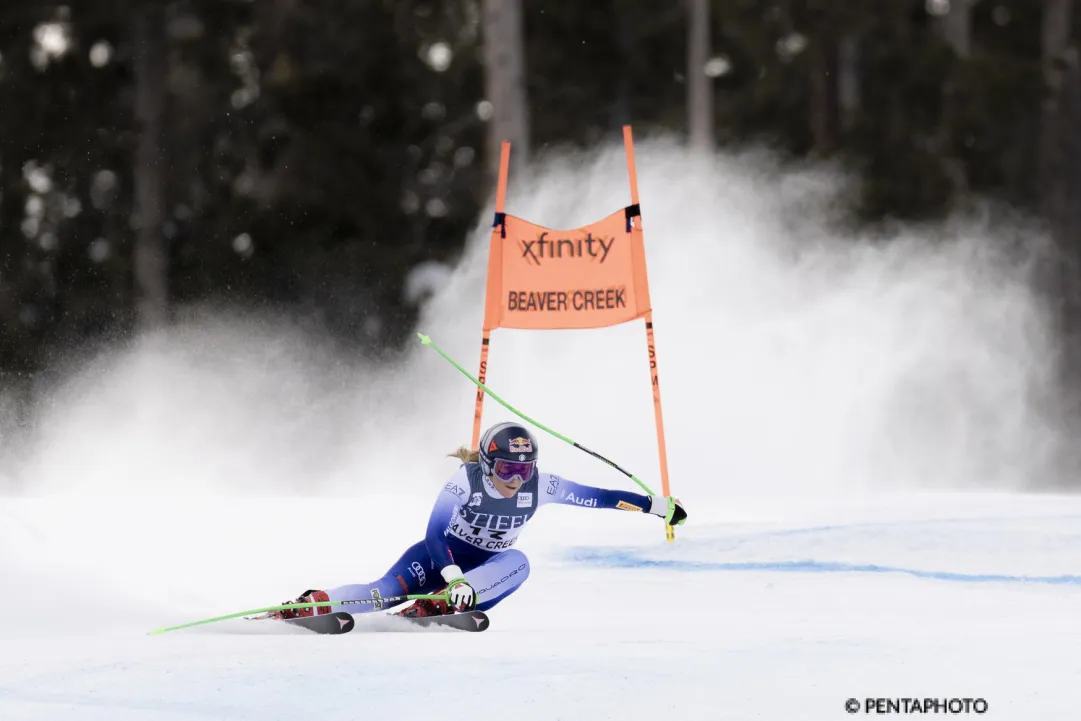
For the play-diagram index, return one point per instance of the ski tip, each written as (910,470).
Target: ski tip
(346,623)
(331,624)
(469,621)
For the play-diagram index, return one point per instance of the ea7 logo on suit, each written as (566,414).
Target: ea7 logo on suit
(553,485)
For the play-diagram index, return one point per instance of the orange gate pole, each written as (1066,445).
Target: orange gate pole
(494,253)
(651,345)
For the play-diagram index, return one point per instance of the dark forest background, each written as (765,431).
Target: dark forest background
(311,154)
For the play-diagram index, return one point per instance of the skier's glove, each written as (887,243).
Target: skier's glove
(670,509)
(462,596)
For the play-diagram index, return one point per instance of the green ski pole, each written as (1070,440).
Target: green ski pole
(390,600)
(428,342)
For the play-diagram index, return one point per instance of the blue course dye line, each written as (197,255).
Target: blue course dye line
(625,559)
(961,520)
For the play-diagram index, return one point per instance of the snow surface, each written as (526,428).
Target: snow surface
(866,437)
(932,597)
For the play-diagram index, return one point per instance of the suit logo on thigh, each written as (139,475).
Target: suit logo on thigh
(418,571)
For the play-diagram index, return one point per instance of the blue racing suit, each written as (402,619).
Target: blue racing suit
(474,527)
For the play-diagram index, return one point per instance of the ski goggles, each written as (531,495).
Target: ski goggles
(507,471)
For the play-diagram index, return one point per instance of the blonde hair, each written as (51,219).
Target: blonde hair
(465,455)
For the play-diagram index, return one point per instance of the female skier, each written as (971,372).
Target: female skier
(467,551)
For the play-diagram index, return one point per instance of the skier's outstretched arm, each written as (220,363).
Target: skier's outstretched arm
(556,489)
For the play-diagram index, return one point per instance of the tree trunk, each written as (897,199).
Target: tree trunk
(848,79)
(1058,190)
(699,84)
(1068,180)
(1059,184)
(504,59)
(1057,19)
(1064,201)
(824,68)
(151,255)
(956,27)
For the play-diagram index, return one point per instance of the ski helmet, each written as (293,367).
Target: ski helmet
(508,451)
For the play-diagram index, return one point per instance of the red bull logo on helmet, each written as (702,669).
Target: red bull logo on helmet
(521,445)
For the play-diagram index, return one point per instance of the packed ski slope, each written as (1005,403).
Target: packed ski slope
(858,432)
(952,597)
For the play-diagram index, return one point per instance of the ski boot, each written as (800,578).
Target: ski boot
(307,596)
(424,607)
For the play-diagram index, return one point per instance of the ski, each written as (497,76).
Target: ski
(327,623)
(470,621)
(342,622)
